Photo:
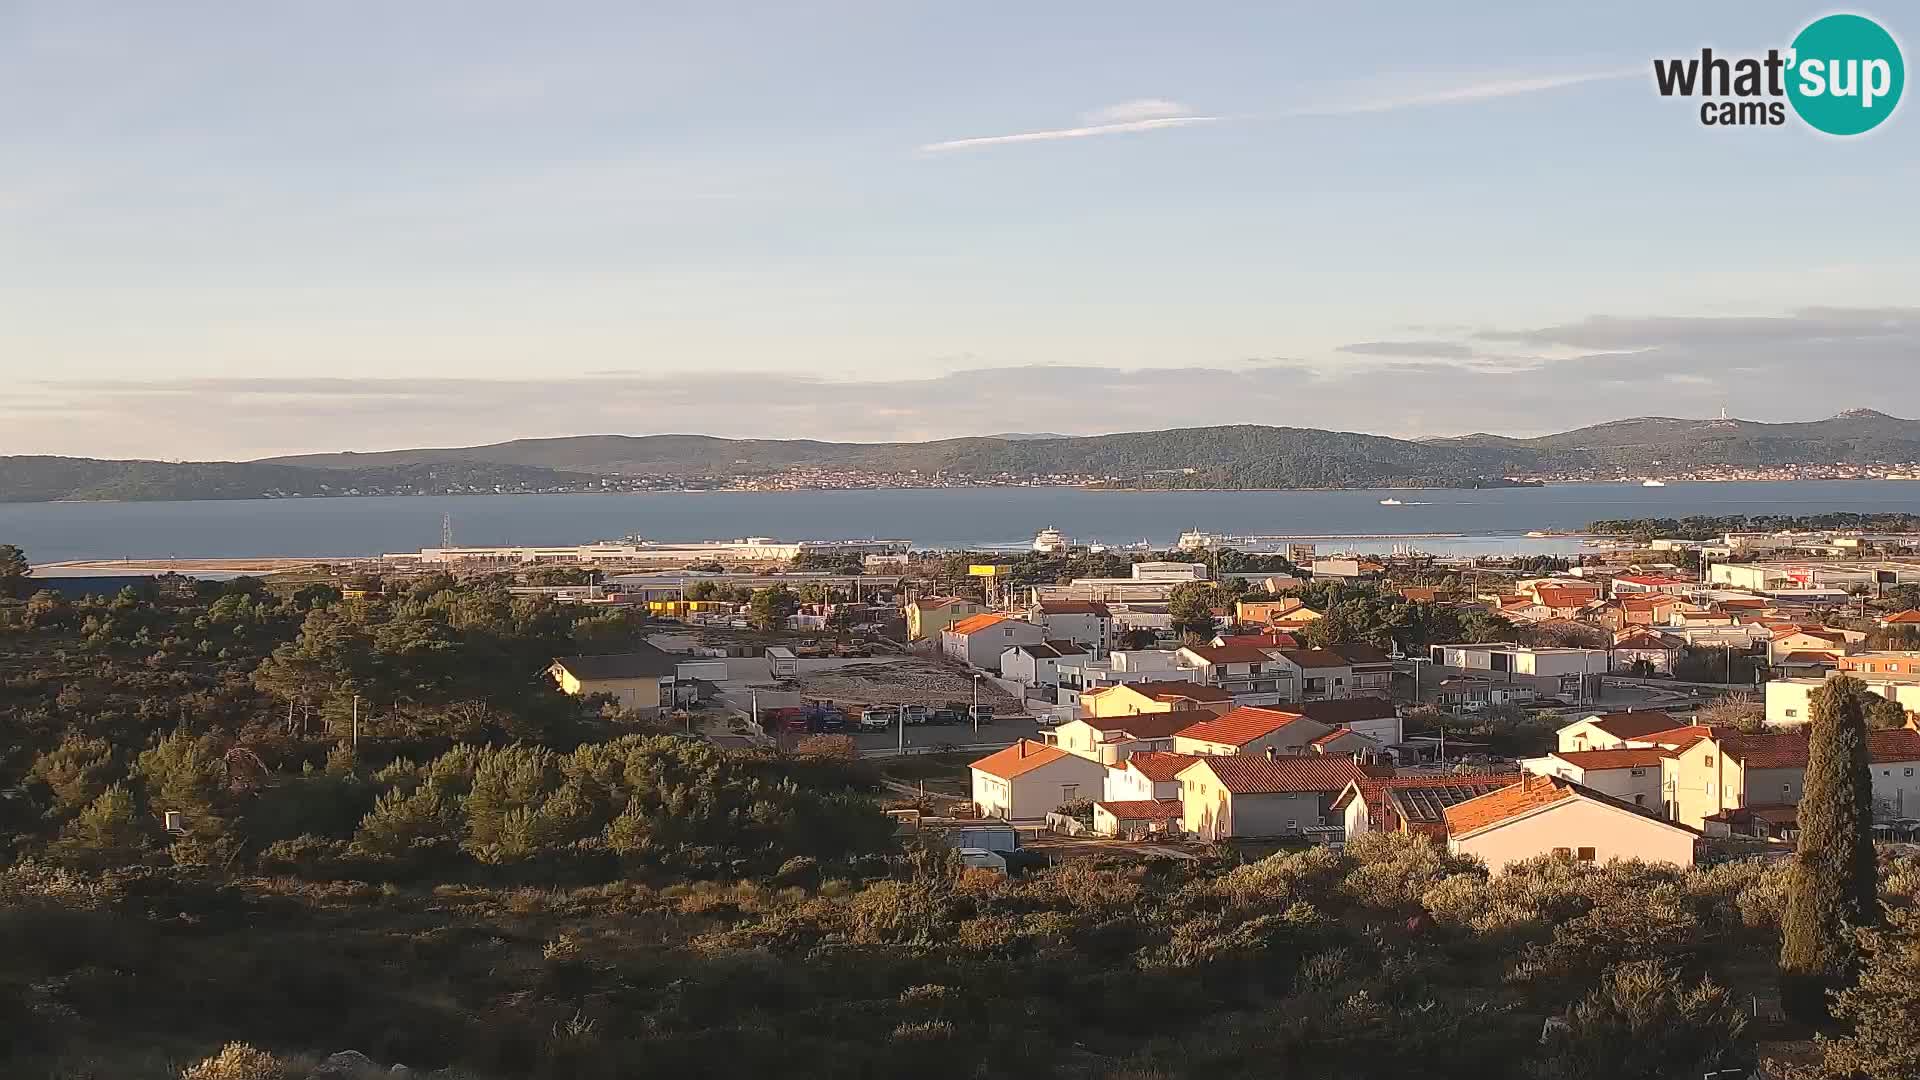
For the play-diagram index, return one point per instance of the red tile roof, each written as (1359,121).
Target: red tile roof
(1685,735)
(1150,725)
(1257,774)
(1316,658)
(1911,615)
(1484,811)
(1631,758)
(976,623)
(1158,765)
(1633,725)
(1651,580)
(1647,641)
(1563,598)
(1337,734)
(1241,726)
(1420,802)
(1075,607)
(1788,750)
(1143,809)
(1808,656)
(1022,757)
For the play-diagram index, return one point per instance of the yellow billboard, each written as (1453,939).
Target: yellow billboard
(985,570)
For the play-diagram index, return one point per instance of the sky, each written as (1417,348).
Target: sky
(237,230)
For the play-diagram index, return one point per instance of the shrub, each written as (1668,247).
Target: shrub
(237,1061)
(1643,1023)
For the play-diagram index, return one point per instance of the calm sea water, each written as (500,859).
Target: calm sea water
(1492,520)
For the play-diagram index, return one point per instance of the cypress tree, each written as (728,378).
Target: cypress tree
(1832,887)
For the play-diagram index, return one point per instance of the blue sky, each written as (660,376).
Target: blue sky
(242,229)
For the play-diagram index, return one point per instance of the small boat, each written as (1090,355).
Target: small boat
(1390,502)
(1651,482)
(1050,540)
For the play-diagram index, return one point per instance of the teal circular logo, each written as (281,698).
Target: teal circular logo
(1846,74)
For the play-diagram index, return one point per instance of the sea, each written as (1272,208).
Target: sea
(1443,522)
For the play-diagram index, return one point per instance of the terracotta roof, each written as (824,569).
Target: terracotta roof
(937,601)
(1338,712)
(1229,654)
(1807,656)
(1022,757)
(1632,725)
(1651,580)
(1315,658)
(1423,806)
(1174,689)
(1484,811)
(1788,750)
(1645,640)
(1257,774)
(1911,615)
(1359,652)
(975,623)
(1822,633)
(1151,725)
(1630,758)
(1562,598)
(1075,607)
(1143,809)
(1685,735)
(1158,765)
(1241,726)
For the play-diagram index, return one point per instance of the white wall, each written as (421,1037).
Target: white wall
(1576,823)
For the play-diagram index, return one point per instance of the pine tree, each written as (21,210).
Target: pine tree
(1832,887)
(110,831)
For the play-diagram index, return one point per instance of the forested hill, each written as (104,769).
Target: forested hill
(1244,455)
(1858,436)
(52,479)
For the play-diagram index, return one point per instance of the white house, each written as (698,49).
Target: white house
(1631,775)
(1027,780)
(1083,622)
(1610,731)
(1551,815)
(1375,717)
(1263,794)
(978,640)
(1038,664)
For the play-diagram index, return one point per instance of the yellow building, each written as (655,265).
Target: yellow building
(929,618)
(1132,699)
(640,681)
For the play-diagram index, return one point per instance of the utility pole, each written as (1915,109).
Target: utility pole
(356,725)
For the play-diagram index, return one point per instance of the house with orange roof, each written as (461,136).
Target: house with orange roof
(1155,696)
(1792,639)
(978,640)
(1606,731)
(1137,820)
(1630,774)
(1411,804)
(1250,730)
(930,616)
(1552,815)
(1028,780)
(1150,774)
(1263,794)
(1733,770)
(1909,617)
(1640,645)
(1112,739)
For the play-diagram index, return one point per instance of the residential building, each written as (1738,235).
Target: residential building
(1122,666)
(1261,794)
(1411,804)
(1863,665)
(1113,740)
(1632,775)
(1137,820)
(1793,639)
(1248,730)
(1370,670)
(1541,815)
(640,681)
(1651,583)
(1084,622)
(1375,717)
(1130,699)
(929,617)
(1347,742)
(1610,731)
(1734,771)
(1151,582)
(1256,612)
(1325,673)
(1146,775)
(978,640)
(1252,675)
(1507,656)
(1909,617)
(1027,780)
(1266,639)
(1790,701)
(1038,664)
(1659,652)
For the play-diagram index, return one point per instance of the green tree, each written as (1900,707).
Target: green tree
(1883,1009)
(770,607)
(76,772)
(182,774)
(1883,714)
(14,571)
(1832,887)
(1191,607)
(110,831)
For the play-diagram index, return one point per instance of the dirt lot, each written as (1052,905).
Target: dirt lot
(903,680)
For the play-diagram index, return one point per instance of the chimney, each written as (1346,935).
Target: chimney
(1272,753)
(1023,748)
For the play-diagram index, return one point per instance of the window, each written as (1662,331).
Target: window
(1786,790)
(1906,772)
(1563,852)
(1586,854)
(1639,799)
(1709,761)
(1790,712)
(1068,792)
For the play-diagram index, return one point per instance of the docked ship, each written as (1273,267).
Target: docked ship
(1195,540)
(1390,502)
(1651,482)
(1050,540)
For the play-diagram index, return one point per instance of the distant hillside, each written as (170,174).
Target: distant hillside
(1239,456)
(1242,456)
(1858,436)
(53,479)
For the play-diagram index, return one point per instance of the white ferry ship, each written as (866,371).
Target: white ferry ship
(1050,540)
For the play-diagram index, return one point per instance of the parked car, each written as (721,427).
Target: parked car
(982,713)
(945,717)
(916,714)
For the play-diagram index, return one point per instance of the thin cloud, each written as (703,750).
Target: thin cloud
(1465,94)
(1146,114)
